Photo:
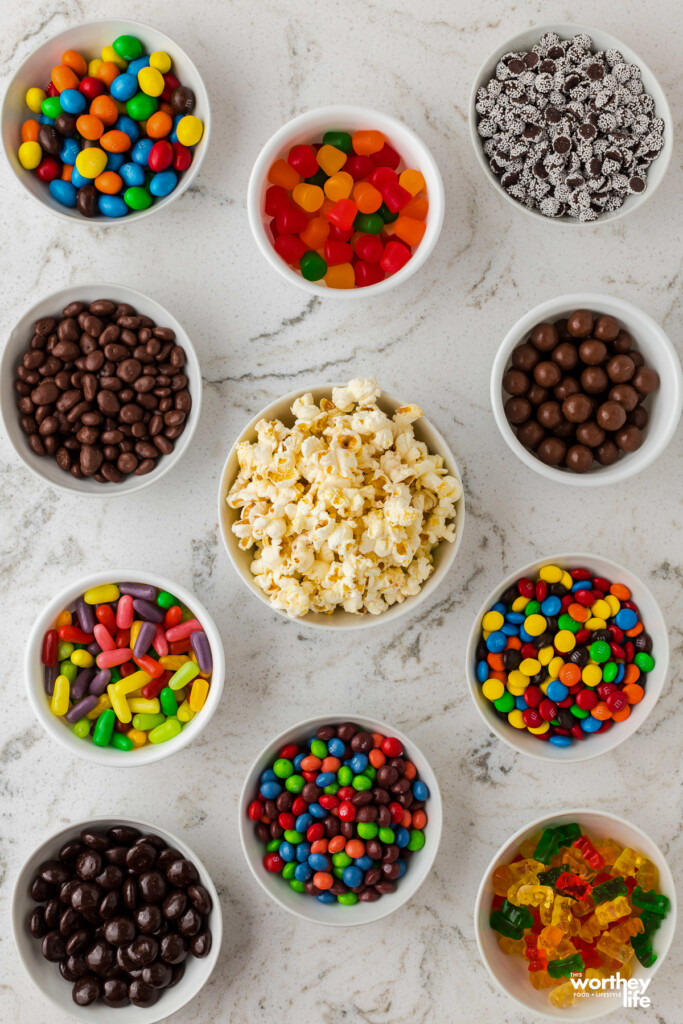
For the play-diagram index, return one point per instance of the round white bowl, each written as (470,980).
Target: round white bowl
(46,977)
(17,343)
(509,972)
(307,128)
(602,41)
(301,904)
(61,731)
(664,405)
(595,743)
(444,554)
(89,39)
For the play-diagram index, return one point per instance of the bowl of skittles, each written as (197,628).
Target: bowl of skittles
(106,121)
(350,853)
(567,657)
(124,668)
(347,201)
(620,921)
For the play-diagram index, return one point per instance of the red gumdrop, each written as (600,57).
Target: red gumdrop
(48,169)
(337,253)
(182,157)
(367,273)
(151,689)
(273,862)
(525,587)
(369,248)
(395,257)
(122,638)
(338,235)
(303,160)
(276,199)
(358,167)
(123,726)
(290,220)
(343,214)
(51,90)
(382,176)
(395,196)
(160,155)
(392,747)
(91,87)
(387,157)
(255,810)
(170,83)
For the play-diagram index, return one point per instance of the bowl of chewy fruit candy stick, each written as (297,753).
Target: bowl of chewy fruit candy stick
(345,201)
(124,667)
(571,909)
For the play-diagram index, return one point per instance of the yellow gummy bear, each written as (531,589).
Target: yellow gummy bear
(535,896)
(647,875)
(620,951)
(550,937)
(541,979)
(624,932)
(563,996)
(609,850)
(501,880)
(612,911)
(590,929)
(562,915)
(627,863)
(511,947)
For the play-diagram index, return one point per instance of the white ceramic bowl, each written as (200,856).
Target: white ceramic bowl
(60,730)
(46,977)
(594,744)
(602,41)
(89,39)
(17,343)
(444,554)
(510,973)
(307,907)
(664,405)
(309,127)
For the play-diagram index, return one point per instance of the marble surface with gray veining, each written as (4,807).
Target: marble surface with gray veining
(431,342)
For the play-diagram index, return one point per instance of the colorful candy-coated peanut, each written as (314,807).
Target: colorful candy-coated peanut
(30,155)
(189,130)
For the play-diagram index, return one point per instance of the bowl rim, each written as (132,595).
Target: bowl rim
(167,462)
(534,825)
(184,182)
(571,28)
(502,730)
(435,814)
(108,756)
(653,446)
(258,174)
(349,621)
(76,826)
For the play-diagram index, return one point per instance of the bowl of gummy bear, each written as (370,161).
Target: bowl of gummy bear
(106,120)
(571,909)
(124,668)
(344,198)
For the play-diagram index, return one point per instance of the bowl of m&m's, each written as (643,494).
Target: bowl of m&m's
(343,199)
(567,657)
(340,819)
(105,121)
(575,910)
(124,668)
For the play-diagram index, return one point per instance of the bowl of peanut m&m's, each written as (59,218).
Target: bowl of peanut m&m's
(567,657)
(124,668)
(575,914)
(106,121)
(340,819)
(344,199)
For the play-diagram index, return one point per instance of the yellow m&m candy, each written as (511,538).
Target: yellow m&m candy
(190,130)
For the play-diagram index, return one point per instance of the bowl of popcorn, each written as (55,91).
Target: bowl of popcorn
(341,506)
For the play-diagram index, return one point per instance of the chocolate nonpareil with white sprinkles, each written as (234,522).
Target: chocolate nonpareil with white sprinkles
(569,130)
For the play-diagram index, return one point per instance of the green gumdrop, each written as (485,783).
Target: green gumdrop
(141,106)
(340,140)
(121,741)
(82,728)
(417,839)
(368,223)
(127,47)
(312,266)
(387,216)
(165,600)
(137,198)
(51,107)
(319,178)
(347,899)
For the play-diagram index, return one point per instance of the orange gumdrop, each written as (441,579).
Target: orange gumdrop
(107,72)
(377,758)
(417,208)
(108,182)
(409,230)
(105,108)
(315,233)
(89,127)
(29,131)
(367,197)
(72,59)
(159,125)
(365,143)
(283,174)
(115,142)
(64,78)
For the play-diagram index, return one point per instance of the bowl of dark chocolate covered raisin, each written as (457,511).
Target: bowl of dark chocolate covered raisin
(100,389)
(116,920)
(587,389)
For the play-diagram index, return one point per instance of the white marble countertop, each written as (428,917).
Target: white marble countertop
(431,342)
